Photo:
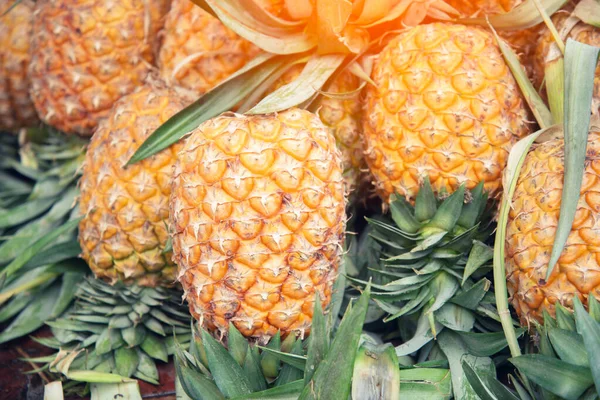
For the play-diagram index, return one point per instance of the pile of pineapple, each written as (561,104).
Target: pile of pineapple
(232,149)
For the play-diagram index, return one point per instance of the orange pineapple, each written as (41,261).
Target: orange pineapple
(197,50)
(86,54)
(257,217)
(445,107)
(16,108)
(124,229)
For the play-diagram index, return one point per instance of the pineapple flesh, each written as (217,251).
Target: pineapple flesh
(198,51)
(16,108)
(86,54)
(123,232)
(258,217)
(531,230)
(446,107)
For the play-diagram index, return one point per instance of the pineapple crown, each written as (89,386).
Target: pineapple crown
(430,260)
(328,364)
(116,332)
(565,365)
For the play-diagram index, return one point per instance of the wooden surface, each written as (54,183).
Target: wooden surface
(16,385)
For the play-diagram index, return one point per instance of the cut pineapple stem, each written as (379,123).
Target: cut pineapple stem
(550,25)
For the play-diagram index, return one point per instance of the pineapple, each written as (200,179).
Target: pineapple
(579,31)
(523,41)
(531,230)
(342,115)
(257,218)
(86,54)
(124,230)
(16,108)
(446,107)
(197,50)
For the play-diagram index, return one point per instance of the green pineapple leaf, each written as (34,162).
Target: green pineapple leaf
(237,344)
(268,362)
(559,377)
(448,213)
(580,66)
(288,391)
(425,203)
(126,360)
(288,372)
(590,330)
(482,383)
(333,377)
(252,368)
(564,318)
(230,378)
(485,344)
(318,341)
(293,360)
(569,346)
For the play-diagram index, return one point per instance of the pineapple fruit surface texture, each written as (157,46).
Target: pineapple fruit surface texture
(124,229)
(532,228)
(257,217)
(446,107)
(86,54)
(340,110)
(197,50)
(16,108)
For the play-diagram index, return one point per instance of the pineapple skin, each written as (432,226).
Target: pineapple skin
(531,231)
(446,106)
(523,41)
(16,108)
(342,115)
(125,208)
(257,216)
(86,54)
(197,51)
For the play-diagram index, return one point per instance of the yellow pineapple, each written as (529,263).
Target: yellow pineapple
(531,231)
(340,110)
(86,54)
(124,229)
(197,50)
(257,218)
(446,107)
(523,41)
(16,108)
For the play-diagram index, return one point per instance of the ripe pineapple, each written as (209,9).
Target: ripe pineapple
(580,32)
(257,218)
(86,54)
(523,41)
(342,115)
(124,229)
(446,107)
(197,50)
(16,109)
(532,226)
